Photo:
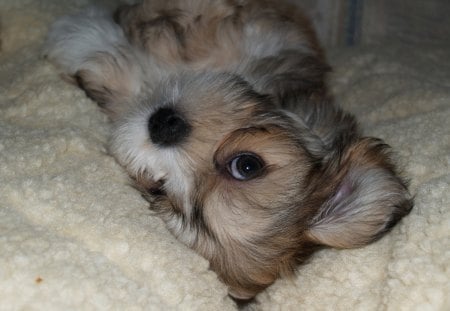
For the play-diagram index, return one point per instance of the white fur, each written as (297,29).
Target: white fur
(258,45)
(132,147)
(73,39)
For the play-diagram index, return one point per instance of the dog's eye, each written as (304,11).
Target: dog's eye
(245,166)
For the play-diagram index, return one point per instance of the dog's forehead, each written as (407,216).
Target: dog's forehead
(210,96)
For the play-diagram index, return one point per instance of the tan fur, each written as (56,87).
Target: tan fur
(207,34)
(198,85)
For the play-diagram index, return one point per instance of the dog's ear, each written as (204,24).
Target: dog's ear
(364,197)
(92,51)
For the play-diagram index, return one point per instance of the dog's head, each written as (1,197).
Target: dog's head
(253,188)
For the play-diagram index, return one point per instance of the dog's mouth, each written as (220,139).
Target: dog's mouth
(157,189)
(149,186)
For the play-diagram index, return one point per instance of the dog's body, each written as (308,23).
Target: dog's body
(222,118)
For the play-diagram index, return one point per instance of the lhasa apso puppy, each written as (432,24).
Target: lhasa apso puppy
(222,118)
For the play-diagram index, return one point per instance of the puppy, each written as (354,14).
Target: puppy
(222,118)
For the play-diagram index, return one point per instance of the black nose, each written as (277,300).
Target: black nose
(167,127)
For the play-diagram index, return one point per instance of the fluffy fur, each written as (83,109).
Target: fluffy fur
(222,118)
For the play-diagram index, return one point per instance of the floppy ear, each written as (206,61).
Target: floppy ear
(368,198)
(92,52)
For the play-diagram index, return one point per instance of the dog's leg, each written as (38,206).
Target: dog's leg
(93,52)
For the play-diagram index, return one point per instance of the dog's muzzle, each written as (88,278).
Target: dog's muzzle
(167,127)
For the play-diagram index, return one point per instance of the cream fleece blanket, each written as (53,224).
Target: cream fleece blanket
(75,236)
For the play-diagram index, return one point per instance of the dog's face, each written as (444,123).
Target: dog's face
(232,168)
(210,141)
(252,188)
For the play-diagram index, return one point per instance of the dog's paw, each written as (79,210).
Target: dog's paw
(73,40)
(93,53)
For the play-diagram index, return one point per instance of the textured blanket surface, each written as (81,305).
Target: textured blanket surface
(74,235)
